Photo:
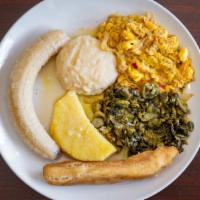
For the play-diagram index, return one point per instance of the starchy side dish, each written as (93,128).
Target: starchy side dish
(21,88)
(84,67)
(74,132)
(135,167)
(124,95)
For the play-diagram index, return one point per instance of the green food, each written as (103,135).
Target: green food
(143,119)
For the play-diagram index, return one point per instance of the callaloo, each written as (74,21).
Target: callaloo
(142,119)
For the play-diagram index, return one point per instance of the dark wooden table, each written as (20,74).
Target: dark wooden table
(186,187)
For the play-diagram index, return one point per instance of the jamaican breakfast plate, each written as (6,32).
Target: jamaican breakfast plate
(107,76)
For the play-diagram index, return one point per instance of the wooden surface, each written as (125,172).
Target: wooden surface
(186,187)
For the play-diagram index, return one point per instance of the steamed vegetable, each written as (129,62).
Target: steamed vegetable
(143,119)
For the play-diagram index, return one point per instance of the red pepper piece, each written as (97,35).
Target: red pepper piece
(134,65)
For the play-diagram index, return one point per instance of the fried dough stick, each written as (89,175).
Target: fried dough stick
(138,166)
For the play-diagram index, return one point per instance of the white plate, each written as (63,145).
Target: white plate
(70,16)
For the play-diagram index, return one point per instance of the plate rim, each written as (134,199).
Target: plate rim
(148,195)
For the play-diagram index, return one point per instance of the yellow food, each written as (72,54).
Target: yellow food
(86,102)
(74,133)
(146,51)
(135,74)
(183,54)
(87,107)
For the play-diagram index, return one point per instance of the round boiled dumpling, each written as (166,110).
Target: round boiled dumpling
(82,66)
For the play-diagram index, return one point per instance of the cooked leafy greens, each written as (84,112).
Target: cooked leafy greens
(143,119)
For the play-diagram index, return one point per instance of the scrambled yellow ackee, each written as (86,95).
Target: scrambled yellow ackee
(145,51)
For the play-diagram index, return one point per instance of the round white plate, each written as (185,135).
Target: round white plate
(71,15)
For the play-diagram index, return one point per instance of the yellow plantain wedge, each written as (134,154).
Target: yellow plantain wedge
(22,81)
(138,166)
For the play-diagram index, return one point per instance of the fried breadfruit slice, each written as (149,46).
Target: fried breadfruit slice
(138,166)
